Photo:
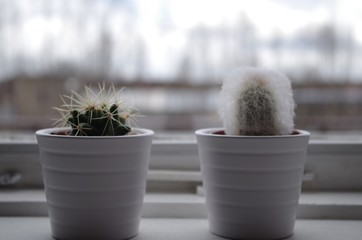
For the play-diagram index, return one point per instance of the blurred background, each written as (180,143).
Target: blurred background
(172,56)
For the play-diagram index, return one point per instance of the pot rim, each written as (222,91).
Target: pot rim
(210,132)
(48,132)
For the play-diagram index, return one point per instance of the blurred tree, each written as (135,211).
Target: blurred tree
(326,42)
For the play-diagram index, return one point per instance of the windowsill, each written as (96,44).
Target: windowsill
(326,215)
(38,228)
(312,205)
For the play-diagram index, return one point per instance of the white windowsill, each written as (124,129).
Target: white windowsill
(38,228)
(312,205)
(322,216)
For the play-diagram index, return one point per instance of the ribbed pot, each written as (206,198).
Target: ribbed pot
(252,183)
(94,185)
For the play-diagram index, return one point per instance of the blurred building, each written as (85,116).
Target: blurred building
(173,55)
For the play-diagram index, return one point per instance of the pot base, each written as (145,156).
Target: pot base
(87,238)
(113,233)
(249,232)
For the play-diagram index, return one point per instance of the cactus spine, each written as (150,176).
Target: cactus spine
(257,102)
(98,113)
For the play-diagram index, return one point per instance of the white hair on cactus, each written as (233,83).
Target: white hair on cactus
(250,87)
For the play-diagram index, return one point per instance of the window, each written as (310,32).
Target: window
(172,56)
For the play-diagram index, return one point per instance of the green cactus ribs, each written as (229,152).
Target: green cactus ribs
(98,122)
(98,113)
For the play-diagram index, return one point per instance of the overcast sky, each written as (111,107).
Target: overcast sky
(160,26)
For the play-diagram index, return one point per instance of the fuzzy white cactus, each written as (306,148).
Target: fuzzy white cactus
(256,101)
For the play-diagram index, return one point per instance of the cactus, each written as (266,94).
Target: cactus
(98,113)
(257,102)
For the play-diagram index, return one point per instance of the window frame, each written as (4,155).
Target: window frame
(331,165)
(332,186)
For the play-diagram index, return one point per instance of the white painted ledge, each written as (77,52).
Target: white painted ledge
(321,216)
(312,205)
(38,228)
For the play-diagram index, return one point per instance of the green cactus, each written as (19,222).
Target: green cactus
(102,113)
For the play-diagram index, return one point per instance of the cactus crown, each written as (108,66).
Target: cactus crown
(257,102)
(99,113)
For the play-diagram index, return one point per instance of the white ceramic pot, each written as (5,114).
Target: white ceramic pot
(252,183)
(94,185)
